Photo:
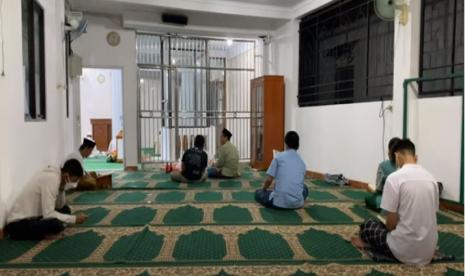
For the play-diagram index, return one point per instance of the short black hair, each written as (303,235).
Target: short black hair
(199,141)
(227,134)
(391,145)
(73,167)
(292,140)
(404,146)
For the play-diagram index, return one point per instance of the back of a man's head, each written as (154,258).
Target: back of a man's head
(292,140)
(392,144)
(404,146)
(226,133)
(73,168)
(199,141)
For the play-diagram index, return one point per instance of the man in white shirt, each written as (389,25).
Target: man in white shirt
(411,200)
(34,214)
(89,180)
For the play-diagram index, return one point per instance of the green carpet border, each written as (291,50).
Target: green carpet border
(204,263)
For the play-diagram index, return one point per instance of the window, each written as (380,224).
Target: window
(441,48)
(33,60)
(346,55)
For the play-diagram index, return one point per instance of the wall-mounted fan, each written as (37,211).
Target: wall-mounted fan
(75,24)
(386,10)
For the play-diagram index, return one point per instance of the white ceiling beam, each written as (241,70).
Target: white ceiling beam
(206,31)
(307,6)
(213,6)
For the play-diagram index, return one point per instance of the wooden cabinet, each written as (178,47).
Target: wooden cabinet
(101,133)
(267,119)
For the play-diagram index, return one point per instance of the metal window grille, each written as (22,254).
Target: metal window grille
(192,86)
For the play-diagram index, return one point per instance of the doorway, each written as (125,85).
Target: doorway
(101,117)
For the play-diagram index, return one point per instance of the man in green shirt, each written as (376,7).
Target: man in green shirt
(385,168)
(227,164)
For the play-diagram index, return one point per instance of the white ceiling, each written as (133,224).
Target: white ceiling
(251,16)
(280,3)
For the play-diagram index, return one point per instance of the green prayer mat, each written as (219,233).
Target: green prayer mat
(94,197)
(208,196)
(200,245)
(260,244)
(73,248)
(355,195)
(131,197)
(184,215)
(95,164)
(321,195)
(136,216)
(322,245)
(140,246)
(232,215)
(327,214)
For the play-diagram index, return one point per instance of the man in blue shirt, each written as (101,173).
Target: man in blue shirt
(288,171)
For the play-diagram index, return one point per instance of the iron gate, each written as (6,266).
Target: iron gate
(190,86)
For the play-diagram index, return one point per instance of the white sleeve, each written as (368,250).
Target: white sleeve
(390,198)
(61,200)
(49,197)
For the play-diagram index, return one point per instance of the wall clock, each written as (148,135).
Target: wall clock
(101,78)
(113,39)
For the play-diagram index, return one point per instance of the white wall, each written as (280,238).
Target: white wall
(117,101)
(348,138)
(27,147)
(438,141)
(343,139)
(284,60)
(96,52)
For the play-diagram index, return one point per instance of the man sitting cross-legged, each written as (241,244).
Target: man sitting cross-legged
(288,171)
(227,164)
(385,168)
(39,211)
(411,200)
(194,163)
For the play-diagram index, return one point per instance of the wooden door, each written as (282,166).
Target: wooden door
(101,133)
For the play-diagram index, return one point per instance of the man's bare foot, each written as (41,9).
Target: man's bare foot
(54,237)
(358,242)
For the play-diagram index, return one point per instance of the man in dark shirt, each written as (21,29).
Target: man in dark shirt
(194,163)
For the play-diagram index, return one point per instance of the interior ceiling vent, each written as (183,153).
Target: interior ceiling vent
(176,19)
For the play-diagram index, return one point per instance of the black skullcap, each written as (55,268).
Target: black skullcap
(88,142)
